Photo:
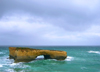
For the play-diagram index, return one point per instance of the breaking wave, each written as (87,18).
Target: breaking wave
(40,57)
(69,58)
(1,66)
(97,52)
(1,53)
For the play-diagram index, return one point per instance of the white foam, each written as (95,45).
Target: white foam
(19,65)
(40,57)
(1,53)
(13,64)
(10,70)
(1,66)
(16,64)
(69,58)
(97,52)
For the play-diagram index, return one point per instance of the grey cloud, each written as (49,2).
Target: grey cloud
(59,13)
(14,38)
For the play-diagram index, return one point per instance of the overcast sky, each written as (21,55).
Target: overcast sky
(49,22)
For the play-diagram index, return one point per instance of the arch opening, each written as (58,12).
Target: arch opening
(47,57)
(41,57)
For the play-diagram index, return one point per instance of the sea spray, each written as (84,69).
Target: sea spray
(69,58)
(1,66)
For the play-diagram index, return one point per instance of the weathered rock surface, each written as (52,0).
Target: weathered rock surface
(20,54)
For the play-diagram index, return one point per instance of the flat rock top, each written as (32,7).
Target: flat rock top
(26,48)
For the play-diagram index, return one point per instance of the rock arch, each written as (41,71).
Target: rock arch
(20,54)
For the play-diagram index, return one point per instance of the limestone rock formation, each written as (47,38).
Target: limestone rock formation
(20,54)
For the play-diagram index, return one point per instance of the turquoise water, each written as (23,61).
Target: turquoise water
(80,59)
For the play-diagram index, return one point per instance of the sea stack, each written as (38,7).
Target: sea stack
(20,54)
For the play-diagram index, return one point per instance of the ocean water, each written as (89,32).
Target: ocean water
(79,59)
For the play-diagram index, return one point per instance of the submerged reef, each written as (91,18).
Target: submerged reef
(20,54)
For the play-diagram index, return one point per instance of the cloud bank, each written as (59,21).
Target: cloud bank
(52,22)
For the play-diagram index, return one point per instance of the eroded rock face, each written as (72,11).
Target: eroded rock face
(20,54)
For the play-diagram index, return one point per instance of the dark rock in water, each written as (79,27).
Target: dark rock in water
(20,54)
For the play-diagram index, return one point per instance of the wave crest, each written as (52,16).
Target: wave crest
(1,53)
(1,66)
(97,52)
(69,58)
